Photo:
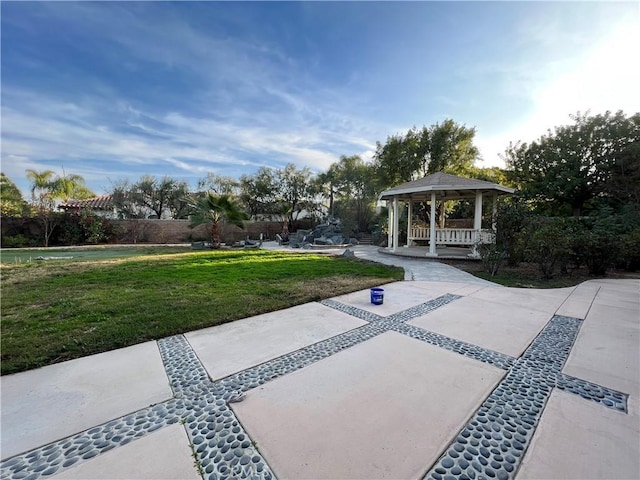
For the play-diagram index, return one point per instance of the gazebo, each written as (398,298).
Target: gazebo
(432,189)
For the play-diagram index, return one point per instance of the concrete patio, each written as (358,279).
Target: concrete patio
(446,379)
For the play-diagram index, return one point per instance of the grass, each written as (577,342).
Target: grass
(10,256)
(56,311)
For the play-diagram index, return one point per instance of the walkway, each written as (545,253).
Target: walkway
(414,268)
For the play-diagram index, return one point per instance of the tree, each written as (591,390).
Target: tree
(41,188)
(451,148)
(11,202)
(220,185)
(69,187)
(46,189)
(258,192)
(567,168)
(213,209)
(125,202)
(325,184)
(152,195)
(353,184)
(296,192)
(442,147)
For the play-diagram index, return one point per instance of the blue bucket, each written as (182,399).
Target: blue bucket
(377,296)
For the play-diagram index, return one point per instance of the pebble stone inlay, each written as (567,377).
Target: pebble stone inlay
(493,443)
(403,316)
(62,454)
(476,352)
(223,448)
(594,392)
(490,445)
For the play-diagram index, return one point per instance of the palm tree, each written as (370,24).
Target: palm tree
(46,188)
(41,187)
(70,187)
(214,210)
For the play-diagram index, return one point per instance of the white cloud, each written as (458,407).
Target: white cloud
(604,78)
(104,138)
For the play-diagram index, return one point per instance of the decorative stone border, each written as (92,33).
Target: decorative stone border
(497,359)
(493,443)
(62,454)
(490,445)
(594,392)
(403,316)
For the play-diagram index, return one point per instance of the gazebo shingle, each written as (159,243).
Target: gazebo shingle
(444,184)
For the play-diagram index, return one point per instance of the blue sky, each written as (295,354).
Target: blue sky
(116,90)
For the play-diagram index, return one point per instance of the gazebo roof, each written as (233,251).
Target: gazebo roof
(445,186)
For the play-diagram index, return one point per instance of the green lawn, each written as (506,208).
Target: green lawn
(56,311)
(9,256)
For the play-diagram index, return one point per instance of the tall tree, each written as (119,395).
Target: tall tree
(451,148)
(11,202)
(41,188)
(442,147)
(355,191)
(258,192)
(325,184)
(124,201)
(213,209)
(70,186)
(161,196)
(220,184)
(567,168)
(296,192)
(47,187)
(43,199)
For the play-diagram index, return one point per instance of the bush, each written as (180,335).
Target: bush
(492,256)
(85,227)
(546,243)
(512,217)
(608,238)
(17,241)
(629,257)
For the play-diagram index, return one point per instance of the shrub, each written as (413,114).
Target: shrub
(512,218)
(16,241)
(547,244)
(492,255)
(629,257)
(608,238)
(85,227)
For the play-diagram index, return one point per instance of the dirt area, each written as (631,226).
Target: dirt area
(527,275)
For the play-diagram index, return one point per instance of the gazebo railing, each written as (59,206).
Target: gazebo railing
(454,236)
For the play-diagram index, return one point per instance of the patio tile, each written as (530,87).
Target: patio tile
(498,327)
(579,302)
(577,439)
(50,403)
(232,347)
(618,298)
(161,455)
(398,296)
(382,409)
(606,349)
(547,301)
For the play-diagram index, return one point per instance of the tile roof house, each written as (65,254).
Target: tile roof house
(101,206)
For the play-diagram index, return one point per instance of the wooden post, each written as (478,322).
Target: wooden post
(389,224)
(432,227)
(409,215)
(396,222)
